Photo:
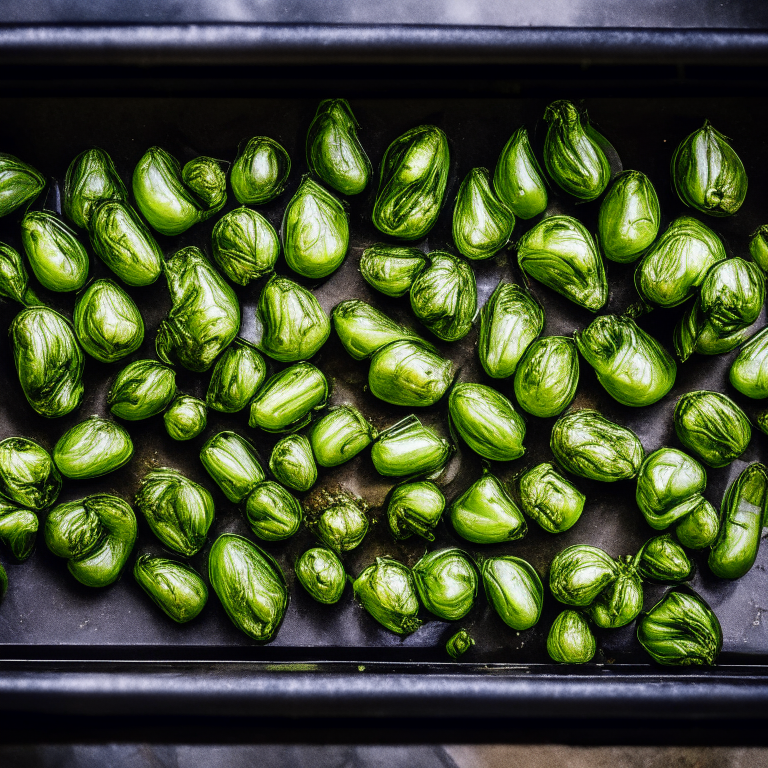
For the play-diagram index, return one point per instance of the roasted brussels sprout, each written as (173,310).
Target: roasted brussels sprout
(386,590)
(662,559)
(14,280)
(321,573)
(570,640)
(260,171)
(19,183)
(415,508)
(340,435)
(409,448)
(272,512)
(749,371)
(244,245)
(342,526)
(547,376)
(392,269)
(554,503)
(458,644)
(518,178)
(621,602)
(186,417)
(233,463)
(293,464)
(236,377)
(514,589)
(580,573)
(92,448)
(174,587)
(18,529)
(446,580)
(142,389)
(758,247)
(28,475)
(91,179)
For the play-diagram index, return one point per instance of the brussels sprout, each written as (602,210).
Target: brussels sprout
(142,389)
(91,179)
(107,322)
(272,512)
(620,602)
(386,590)
(518,178)
(19,183)
(699,528)
(678,262)
(391,269)
(18,529)
(580,573)
(56,256)
(662,559)
(285,403)
(95,535)
(233,463)
(487,422)
(342,526)
(749,371)
(92,448)
(573,152)
(204,178)
(28,475)
(629,217)
(178,510)
(570,640)
(321,573)
(14,280)
(758,247)
(174,587)
(444,296)
(560,252)
(244,245)
(236,377)
(340,435)
(186,417)
(554,503)
(414,173)
(589,445)
(409,448)
(485,513)
(250,585)
(711,425)
(334,152)
(514,590)
(547,376)
(315,231)
(446,580)
(293,464)
(48,360)
(632,366)
(124,244)
(681,629)
(260,171)
(458,644)
(415,508)
(294,324)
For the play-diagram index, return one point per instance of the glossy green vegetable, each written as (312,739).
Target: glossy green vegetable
(250,585)
(391,269)
(18,529)
(409,448)
(233,463)
(142,389)
(28,475)
(107,322)
(178,510)
(560,252)
(749,371)
(758,247)
(205,179)
(342,526)
(19,183)
(387,591)
(186,417)
(244,245)
(260,171)
(415,508)
(272,512)
(458,644)
(547,497)
(514,590)
(547,376)
(518,178)
(92,448)
(570,640)
(91,179)
(236,377)
(293,464)
(340,435)
(662,559)
(49,361)
(414,173)
(174,587)
(580,573)
(14,280)
(321,573)
(446,580)
(620,602)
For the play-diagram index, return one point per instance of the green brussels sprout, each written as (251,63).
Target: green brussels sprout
(458,644)
(204,177)
(444,296)
(708,175)
(321,573)
(250,585)
(749,371)
(315,231)
(294,324)
(509,323)
(482,224)
(712,426)
(630,364)
(244,245)
(178,510)
(49,361)
(260,171)
(629,217)
(96,536)
(487,422)
(175,588)
(186,417)
(205,316)
(580,573)
(14,280)
(547,497)
(547,376)
(620,602)
(293,464)
(699,528)
(272,512)
(486,514)
(662,559)
(334,152)
(391,269)
(91,179)
(236,377)
(142,389)
(56,256)
(19,183)
(446,581)
(514,590)
(409,448)
(340,435)
(415,508)
(285,403)
(342,526)
(28,475)
(414,173)
(386,590)
(233,463)
(681,629)
(92,448)
(560,252)
(107,322)
(18,529)
(678,262)
(518,180)
(122,241)
(570,640)
(589,445)
(573,152)
(758,247)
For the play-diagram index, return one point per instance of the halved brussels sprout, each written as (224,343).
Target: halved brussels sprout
(621,602)
(340,435)
(547,376)
(186,417)
(174,587)
(92,448)
(142,389)
(749,371)
(28,475)
(233,463)
(518,178)
(570,640)
(415,508)
(18,529)
(458,644)
(662,559)
(387,591)
(342,526)
(554,503)
(244,245)
(91,179)
(14,280)
(409,448)
(392,269)
(580,573)
(321,573)
(260,171)
(272,512)
(514,589)
(236,377)
(19,183)
(446,580)
(293,464)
